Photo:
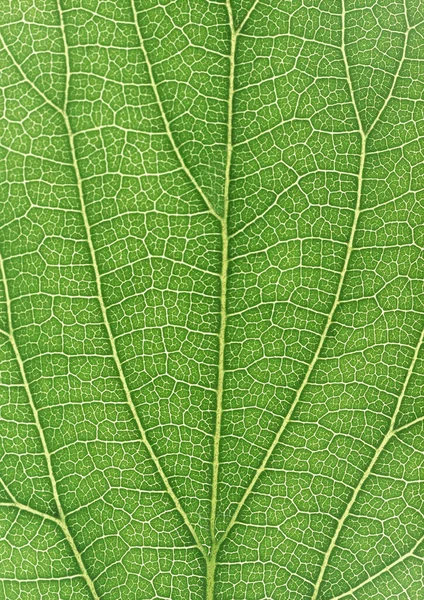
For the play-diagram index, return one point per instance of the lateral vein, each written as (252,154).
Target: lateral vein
(164,117)
(103,309)
(62,517)
(382,571)
(317,354)
(369,469)
(14,503)
(87,226)
(391,430)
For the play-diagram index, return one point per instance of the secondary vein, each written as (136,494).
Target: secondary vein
(368,471)
(382,571)
(24,507)
(103,309)
(71,136)
(391,430)
(62,517)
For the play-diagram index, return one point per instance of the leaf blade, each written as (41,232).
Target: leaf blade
(212,247)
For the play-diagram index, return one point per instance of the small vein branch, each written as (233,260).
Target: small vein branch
(164,117)
(408,425)
(385,570)
(32,511)
(62,517)
(395,76)
(14,503)
(247,16)
(45,98)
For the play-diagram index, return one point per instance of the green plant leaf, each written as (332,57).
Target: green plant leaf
(211,300)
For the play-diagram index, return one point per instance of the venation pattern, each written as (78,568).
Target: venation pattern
(211,300)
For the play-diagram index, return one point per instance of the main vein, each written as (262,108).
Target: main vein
(316,356)
(62,517)
(223,325)
(216,543)
(363,136)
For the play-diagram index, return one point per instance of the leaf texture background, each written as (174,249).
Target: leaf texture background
(211,300)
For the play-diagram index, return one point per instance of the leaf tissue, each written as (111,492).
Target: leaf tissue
(212,300)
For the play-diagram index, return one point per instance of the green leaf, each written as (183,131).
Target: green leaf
(212,300)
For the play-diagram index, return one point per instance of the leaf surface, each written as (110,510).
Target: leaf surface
(211,300)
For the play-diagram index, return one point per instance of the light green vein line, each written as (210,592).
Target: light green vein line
(394,416)
(368,471)
(3,332)
(385,570)
(24,507)
(247,16)
(396,75)
(347,70)
(211,565)
(28,81)
(337,296)
(38,579)
(103,306)
(62,517)
(32,511)
(408,425)
(164,117)
(99,293)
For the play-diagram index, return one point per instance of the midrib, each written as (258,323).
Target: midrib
(211,561)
